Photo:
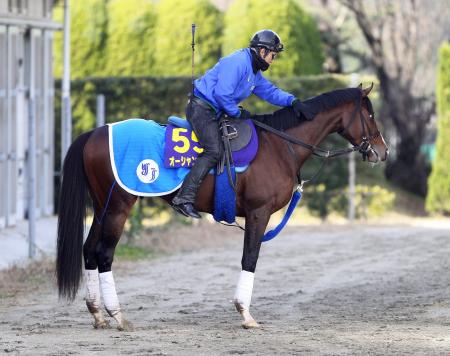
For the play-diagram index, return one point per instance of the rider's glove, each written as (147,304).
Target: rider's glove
(245,114)
(297,106)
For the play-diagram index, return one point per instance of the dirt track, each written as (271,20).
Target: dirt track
(366,290)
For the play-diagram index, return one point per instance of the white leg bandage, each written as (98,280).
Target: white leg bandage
(92,289)
(108,288)
(243,294)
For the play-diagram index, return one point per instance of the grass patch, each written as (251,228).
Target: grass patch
(133,253)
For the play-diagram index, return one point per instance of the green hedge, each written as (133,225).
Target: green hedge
(173,37)
(130,47)
(137,38)
(88,37)
(438,198)
(303,45)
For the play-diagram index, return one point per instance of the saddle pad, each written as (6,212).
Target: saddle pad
(136,149)
(182,146)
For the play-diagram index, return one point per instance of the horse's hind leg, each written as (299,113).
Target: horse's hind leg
(112,227)
(91,276)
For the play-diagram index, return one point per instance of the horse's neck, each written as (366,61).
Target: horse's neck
(315,131)
(310,132)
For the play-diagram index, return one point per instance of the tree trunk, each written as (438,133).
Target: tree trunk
(402,43)
(410,116)
(409,170)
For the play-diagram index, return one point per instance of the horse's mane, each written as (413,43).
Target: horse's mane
(286,118)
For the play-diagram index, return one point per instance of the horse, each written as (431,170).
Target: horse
(264,188)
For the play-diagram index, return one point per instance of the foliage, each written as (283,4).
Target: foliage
(317,200)
(370,201)
(172,36)
(135,221)
(132,253)
(88,38)
(130,47)
(298,31)
(438,198)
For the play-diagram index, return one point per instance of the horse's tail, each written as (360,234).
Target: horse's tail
(71,216)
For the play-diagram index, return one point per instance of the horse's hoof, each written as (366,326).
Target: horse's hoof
(125,326)
(251,324)
(102,325)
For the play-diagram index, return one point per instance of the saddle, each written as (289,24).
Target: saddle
(239,132)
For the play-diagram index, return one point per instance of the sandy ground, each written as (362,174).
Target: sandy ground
(329,290)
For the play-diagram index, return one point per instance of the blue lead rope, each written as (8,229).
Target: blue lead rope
(296,197)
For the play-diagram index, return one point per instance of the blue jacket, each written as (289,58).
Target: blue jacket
(232,80)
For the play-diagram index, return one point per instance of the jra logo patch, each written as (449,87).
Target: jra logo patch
(147,171)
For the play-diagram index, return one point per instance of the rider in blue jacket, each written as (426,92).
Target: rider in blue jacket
(219,91)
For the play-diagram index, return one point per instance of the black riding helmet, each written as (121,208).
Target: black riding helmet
(268,39)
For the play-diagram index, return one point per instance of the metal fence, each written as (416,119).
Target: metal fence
(26,109)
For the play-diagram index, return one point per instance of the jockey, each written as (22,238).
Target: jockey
(219,91)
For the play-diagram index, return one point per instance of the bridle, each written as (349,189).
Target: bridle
(365,147)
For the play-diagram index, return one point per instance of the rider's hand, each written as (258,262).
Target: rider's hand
(244,114)
(297,106)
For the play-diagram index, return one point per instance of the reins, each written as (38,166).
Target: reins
(318,151)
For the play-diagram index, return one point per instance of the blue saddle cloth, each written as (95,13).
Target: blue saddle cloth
(136,150)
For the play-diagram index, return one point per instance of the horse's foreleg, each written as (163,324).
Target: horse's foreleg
(111,301)
(255,224)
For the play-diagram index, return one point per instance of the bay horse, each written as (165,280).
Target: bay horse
(264,188)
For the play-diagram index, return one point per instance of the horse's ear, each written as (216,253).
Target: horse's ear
(367,90)
(360,86)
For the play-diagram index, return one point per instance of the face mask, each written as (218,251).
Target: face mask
(258,63)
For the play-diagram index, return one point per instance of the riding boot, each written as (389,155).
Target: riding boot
(184,200)
(205,125)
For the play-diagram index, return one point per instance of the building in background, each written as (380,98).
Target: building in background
(26,33)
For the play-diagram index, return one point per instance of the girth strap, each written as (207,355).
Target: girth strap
(226,136)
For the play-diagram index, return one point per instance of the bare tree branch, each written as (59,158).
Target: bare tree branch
(403,37)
